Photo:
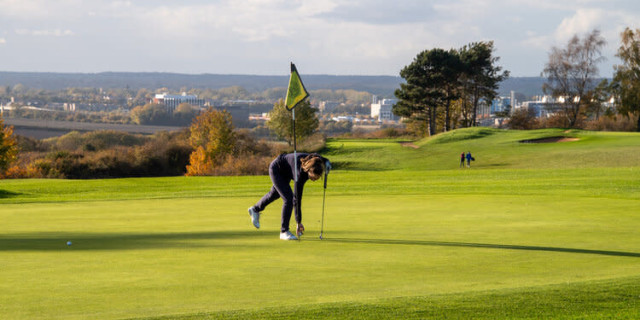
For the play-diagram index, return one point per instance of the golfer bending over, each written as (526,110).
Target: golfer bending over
(281,170)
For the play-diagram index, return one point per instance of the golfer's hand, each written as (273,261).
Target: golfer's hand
(300,229)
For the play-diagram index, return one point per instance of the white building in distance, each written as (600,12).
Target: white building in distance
(382,109)
(172,101)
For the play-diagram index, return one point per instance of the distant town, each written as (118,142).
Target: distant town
(97,107)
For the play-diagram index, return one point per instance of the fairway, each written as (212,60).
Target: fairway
(529,231)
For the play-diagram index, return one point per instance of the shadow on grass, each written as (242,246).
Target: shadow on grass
(7,194)
(356,166)
(484,245)
(493,165)
(126,241)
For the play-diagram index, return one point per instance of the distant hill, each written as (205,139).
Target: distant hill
(383,86)
(529,86)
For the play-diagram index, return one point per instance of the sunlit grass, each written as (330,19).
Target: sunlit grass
(408,235)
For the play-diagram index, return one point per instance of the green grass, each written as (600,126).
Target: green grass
(530,231)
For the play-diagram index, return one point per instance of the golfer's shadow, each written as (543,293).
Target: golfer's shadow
(7,194)
(482,245)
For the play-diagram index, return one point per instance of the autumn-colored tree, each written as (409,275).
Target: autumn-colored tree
(213,138)
(8,148)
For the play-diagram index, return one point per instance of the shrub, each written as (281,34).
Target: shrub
(614,123)
(245,164)
(523,119)
(95,140)
(107,155)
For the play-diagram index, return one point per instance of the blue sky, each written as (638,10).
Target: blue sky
(336,37)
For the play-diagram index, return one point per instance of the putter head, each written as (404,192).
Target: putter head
(320,237)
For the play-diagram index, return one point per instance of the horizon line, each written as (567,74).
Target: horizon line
(215,74)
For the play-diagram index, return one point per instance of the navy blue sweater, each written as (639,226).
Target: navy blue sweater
(286,163)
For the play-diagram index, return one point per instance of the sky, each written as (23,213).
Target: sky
(261,37)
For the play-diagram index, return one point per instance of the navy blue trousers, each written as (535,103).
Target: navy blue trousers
(280,175)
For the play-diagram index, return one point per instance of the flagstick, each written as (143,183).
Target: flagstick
(297,93)
(295,169)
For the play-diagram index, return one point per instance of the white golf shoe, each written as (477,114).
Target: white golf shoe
(255,217)
(287,235)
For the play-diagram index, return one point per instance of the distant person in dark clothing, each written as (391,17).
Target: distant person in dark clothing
(282,170)
(469,159)
(462,160)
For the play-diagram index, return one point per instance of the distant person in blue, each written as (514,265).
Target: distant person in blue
(462,160)
(310,166)
(469,159)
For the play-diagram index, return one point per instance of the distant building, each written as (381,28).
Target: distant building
(500,104)
(543,106)
(382,109)
(259,116)
(172,101)
(328,106)
(343,118)
(69,107)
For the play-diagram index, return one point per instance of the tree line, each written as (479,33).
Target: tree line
(125,98)
(443,88)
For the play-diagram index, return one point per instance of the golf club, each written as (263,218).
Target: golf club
(324,193)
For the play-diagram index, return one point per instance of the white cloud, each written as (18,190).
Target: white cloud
(39,9)
(536,41)
(45,33)
(3,41)
(583,21)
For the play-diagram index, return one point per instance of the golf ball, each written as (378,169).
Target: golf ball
(69,243)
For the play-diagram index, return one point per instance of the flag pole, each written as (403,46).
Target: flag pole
(295,166)
(296,93)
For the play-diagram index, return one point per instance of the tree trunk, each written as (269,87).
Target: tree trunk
(435,120)
(432,121)
(475,112)
(575,112)
(447,116)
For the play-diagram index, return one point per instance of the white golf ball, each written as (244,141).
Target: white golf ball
(69,243)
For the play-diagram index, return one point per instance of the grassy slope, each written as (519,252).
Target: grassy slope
(406,230)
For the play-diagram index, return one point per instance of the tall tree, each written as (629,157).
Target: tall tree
(431,81)
(280,121)
(627,76)
(571,73)
(481,78)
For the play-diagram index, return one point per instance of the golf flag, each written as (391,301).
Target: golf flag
(296,91)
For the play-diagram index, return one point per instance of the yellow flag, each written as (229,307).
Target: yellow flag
(296,91)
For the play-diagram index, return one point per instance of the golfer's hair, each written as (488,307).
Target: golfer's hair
(313,165)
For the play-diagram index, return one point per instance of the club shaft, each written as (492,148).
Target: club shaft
(324,193)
